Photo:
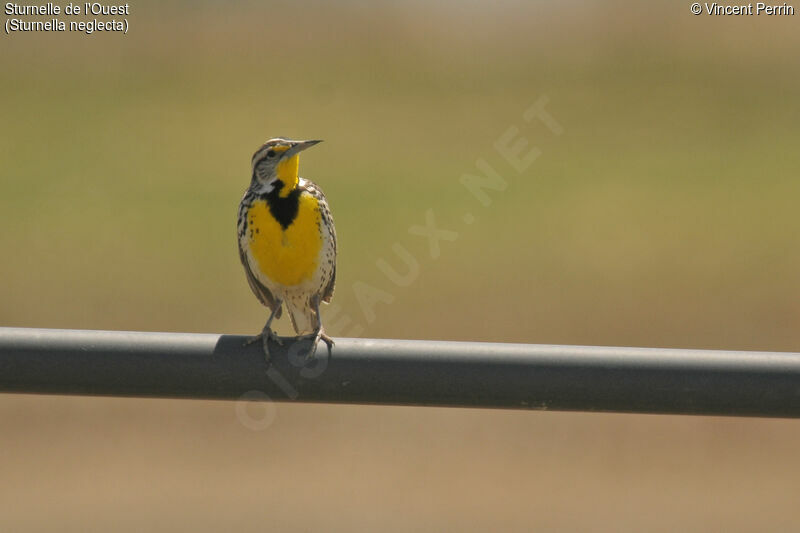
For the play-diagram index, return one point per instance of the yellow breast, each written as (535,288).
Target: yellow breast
(290,256)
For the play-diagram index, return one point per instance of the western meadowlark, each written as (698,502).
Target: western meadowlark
(287,242)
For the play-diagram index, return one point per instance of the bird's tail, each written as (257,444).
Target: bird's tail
(304,319)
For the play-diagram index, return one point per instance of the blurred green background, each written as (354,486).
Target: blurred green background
(664,215)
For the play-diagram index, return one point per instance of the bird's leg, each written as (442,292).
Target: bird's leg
(319,333)
(267,334)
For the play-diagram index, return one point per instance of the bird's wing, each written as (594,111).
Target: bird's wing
(325,211)
(262,293)
(328,292)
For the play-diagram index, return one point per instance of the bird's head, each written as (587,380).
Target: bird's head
(275,165)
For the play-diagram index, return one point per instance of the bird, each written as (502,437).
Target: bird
(287,242)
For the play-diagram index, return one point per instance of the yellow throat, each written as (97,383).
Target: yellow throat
(287,173)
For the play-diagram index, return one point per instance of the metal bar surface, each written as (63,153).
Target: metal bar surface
(402,372)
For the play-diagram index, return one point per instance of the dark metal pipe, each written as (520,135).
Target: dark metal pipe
(401,372)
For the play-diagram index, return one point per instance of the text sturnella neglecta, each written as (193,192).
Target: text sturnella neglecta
(287,242)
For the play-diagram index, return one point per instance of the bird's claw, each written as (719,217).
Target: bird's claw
(315,338)
(327,340)
(265,337)
(252,340)
(275,338)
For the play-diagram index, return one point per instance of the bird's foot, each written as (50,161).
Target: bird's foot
(265,336)
(315,338)
(252,340)
(272,336)
(326,339)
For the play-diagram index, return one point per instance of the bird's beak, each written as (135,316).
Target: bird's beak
(299,146)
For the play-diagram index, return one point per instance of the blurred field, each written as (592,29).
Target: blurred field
(664,215)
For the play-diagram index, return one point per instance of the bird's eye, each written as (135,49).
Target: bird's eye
(271,153)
